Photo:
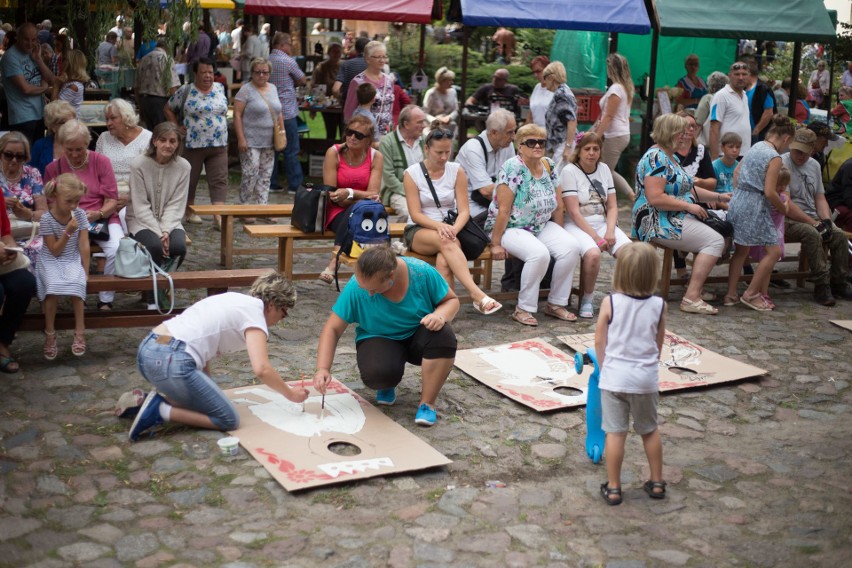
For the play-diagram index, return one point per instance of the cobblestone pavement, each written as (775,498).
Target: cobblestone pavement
(759,471)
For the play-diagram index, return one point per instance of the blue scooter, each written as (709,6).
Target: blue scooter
(595,436)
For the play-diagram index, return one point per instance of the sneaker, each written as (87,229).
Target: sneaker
(822,295)
(194,219)
(386,397)
(152,307)
(586,309)
(425,416)
(148,417)
(276,189)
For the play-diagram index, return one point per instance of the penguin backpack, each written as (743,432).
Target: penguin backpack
(367,226)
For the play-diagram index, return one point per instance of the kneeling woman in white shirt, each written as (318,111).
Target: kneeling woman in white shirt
(589,196)
(176,355)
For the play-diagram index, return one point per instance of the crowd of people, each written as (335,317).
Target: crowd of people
(726,176)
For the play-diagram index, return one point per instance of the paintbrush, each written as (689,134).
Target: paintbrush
(303,386)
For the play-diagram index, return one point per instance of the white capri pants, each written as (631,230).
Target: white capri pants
(535,251)
(695,237)
(598,223)
(110,247)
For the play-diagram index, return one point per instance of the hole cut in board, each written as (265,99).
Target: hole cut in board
(682,371)
(344,449)
(568,391)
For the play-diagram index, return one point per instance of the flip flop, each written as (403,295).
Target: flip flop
(8,365)
(484,302)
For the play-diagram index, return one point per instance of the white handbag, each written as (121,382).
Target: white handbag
(132,260)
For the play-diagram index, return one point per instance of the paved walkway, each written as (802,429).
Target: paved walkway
(759,472)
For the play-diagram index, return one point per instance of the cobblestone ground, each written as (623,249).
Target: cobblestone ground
(758,471)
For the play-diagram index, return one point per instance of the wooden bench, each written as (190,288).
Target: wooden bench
(230,212)
(667,281)
(214,281)
(481,269)
(287,236)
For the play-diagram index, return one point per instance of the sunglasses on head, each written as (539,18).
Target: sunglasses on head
(439,134)
(356,134)
(12,156)
(739,66)
(534,142)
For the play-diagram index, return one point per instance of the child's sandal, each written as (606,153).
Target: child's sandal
(50,349)
(655,489)
(608,493)
(78,347)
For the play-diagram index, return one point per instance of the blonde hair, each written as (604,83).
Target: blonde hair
(273,289)
(74,130)
(56,111)
(16,137)
(444,73)
(666,130)
(637,270)
(555,71)
(75,66)
(373,46)
(259,61)
(68,184)
(783,177)
(528,131)
(618,70)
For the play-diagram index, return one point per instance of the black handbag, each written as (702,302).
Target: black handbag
(723,227)
(309,208)
(99,231)
(472,238)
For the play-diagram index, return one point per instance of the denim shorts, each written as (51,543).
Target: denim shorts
(175,375)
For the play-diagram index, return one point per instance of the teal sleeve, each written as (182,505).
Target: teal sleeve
(437,287)
(346,305)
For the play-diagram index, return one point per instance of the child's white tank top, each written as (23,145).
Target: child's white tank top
(631,362)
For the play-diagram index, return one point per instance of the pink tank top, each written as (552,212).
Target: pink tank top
(357,177)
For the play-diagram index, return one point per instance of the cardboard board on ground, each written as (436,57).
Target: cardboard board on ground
(845,324)
(294,445)
(531,372)
(683,364)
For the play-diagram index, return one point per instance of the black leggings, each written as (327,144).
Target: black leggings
(381,361)
(152,242)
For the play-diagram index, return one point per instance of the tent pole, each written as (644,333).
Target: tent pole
(422,46)
(303,36)
(830,77)
(613,42)
(462,135)
(649,104)
(794,79)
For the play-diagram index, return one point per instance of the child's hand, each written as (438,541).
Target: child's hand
(72,225)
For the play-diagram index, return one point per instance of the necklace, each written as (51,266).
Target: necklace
(11,179)
(81,166)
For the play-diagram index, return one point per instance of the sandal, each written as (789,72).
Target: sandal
(655,489)
(78,347)
(559,312)
(730,301)
(752,303)
(487,301)
(8,365)
(697,307)
(326,276)
(768,301)
(105,306)
(587,310)
(606,492)
(50,349)
(524,318)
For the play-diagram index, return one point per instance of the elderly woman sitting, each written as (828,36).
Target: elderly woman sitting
(525,220)
(101,199)
(21,183)
(47,149)
(666,212)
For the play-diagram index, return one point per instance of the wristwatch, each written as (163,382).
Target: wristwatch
(351,193)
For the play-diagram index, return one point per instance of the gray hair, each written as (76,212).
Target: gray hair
(498,119)
(373,46)
(74,130)
(57,111)
(405,113)
(16,137)
(716,81)
(273,289)
(124,110)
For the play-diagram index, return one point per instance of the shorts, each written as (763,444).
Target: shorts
(616,408)
(408,234)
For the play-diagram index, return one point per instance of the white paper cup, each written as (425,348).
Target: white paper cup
(229,446)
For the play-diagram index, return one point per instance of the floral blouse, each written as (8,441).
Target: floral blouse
(26,189)
(535,199)
(648,221)
(562,108)
(205,116)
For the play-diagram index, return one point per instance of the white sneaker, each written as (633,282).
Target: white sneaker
(152,307)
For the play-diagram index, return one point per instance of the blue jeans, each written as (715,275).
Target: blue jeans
(292,167)
(175,375)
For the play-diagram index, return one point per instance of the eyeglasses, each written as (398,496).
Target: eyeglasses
(12,156)
(739,66)
(378,57)
(534,142)
(260,72)
(546,75)
(356,134)
(438,134)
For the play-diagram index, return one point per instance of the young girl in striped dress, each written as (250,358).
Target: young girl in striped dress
(62,268)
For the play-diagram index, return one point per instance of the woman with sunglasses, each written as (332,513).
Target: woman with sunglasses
(427,233)
(257,111)
(375,55)
(355,169)
(525,220)
(588,193)
(22,183)
(561,115)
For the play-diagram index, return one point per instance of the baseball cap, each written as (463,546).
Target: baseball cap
(803,140)
(823,130)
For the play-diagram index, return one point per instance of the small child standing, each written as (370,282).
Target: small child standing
(724,167)
(366,94)
(61,269)
(628,339)
(757,253)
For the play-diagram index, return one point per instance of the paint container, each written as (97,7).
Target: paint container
(229,446)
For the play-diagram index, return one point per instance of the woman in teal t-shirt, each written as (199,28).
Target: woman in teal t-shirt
(403,308)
